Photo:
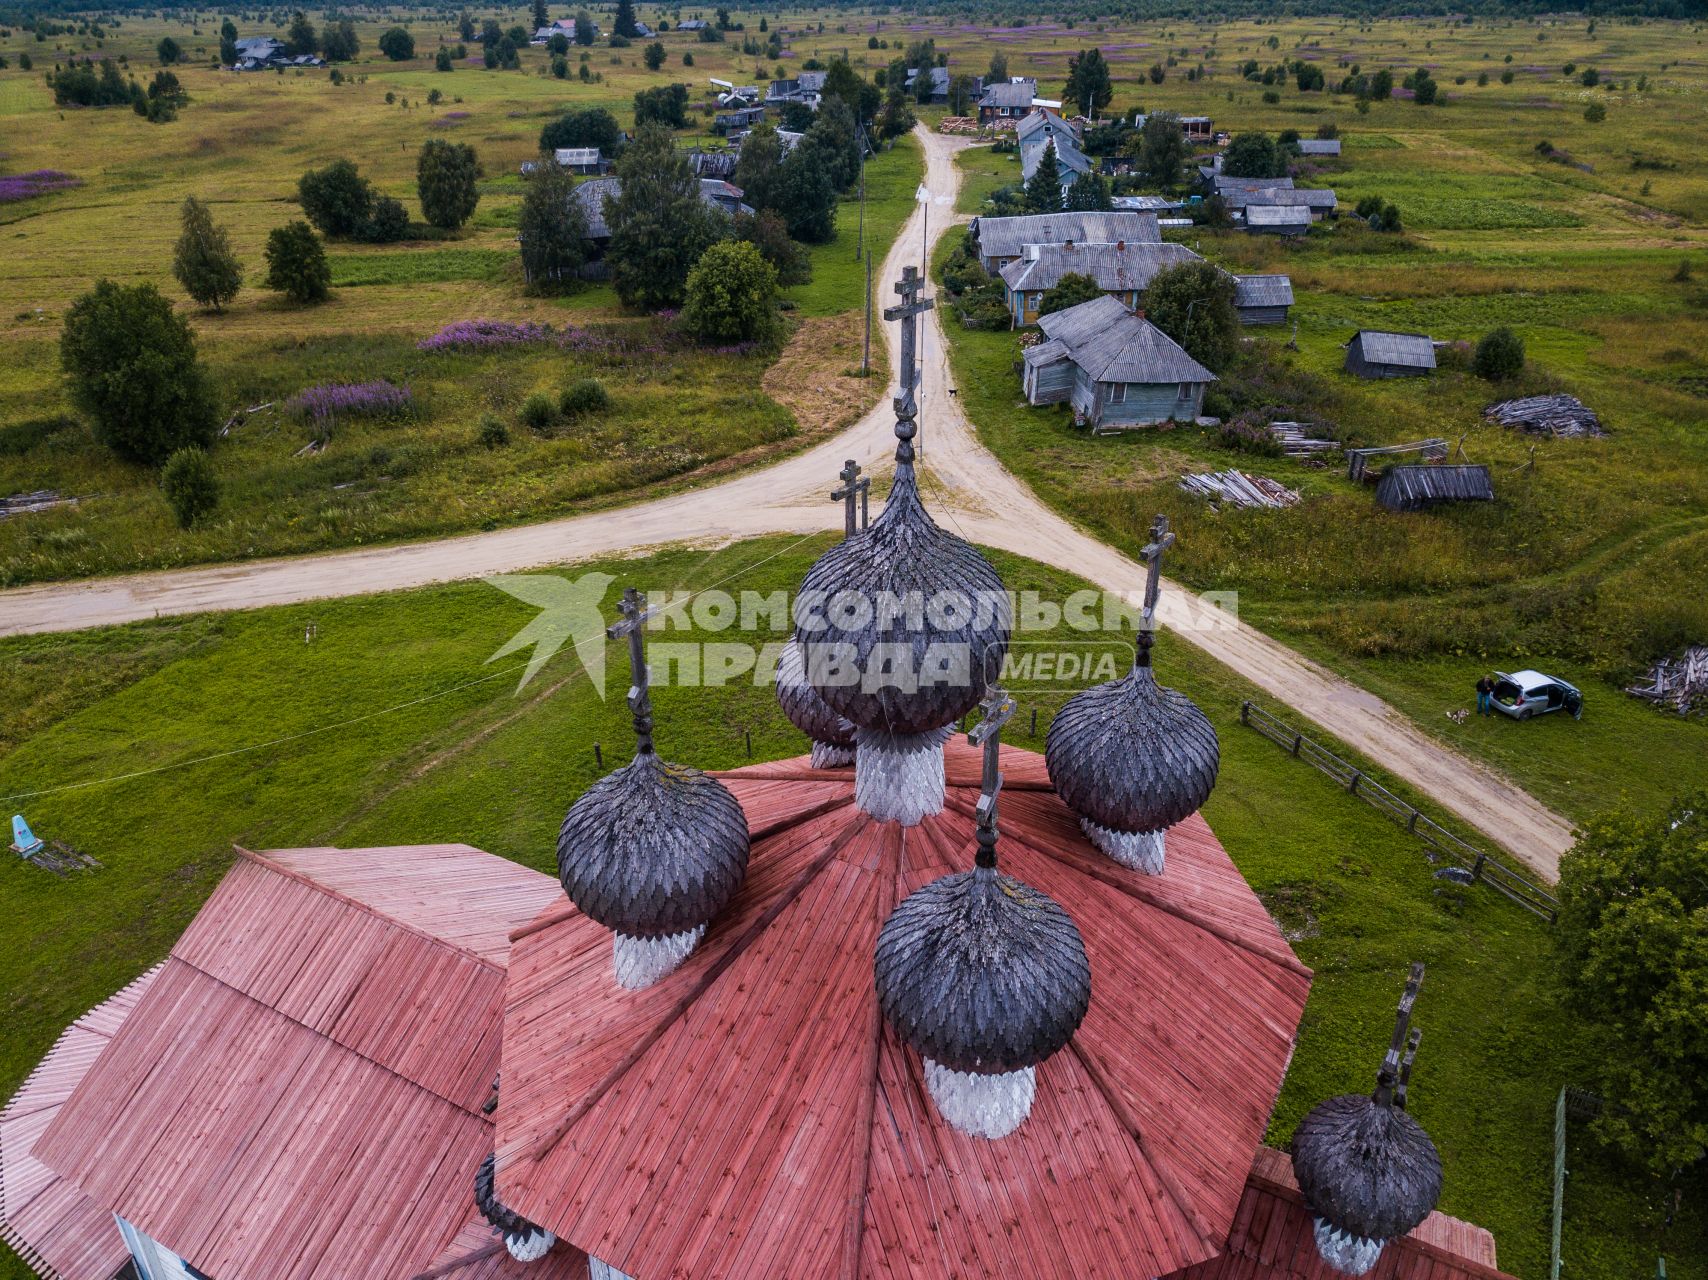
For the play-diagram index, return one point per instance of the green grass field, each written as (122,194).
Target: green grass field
(473,760)
(241,144)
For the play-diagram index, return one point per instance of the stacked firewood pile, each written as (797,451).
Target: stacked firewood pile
(1239,489)
(1547,416)
(1296,440)
(1681,683)
(959,124)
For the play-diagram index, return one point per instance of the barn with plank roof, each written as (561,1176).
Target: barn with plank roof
(956,1010)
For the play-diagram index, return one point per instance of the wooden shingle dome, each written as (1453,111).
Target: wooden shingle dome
(524,1241)
(832,734)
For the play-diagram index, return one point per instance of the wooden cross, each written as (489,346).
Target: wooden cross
(1151,554)
(997,708)
(912,307)
(640,698)
(853,486)
(1395,1072)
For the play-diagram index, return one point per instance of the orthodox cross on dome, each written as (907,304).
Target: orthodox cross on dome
(907,404)
(1151,553)
(854,485)
(1396,1063)
(640,698)
(997,708)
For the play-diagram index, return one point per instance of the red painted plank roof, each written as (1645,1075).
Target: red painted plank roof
(478,1253)
(299,1092)
(48,1219)
(753,1106)
(1271,1240)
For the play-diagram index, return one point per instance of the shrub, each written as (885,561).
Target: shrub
(336,199)
(190,486)
(131,363)
(168,51)
(389,223)
(296,263)
(203,260)
(653,56)
(1500,356)
(732,295)
(442,60)
(1072,290)
(584,397)
(1595,112)
(446,174)
(397,44)
(588,127)
(538,411)
(493,433)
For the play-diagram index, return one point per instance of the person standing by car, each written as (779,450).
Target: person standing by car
(1485,696)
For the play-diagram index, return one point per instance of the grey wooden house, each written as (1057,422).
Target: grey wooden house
(1263,299)
(1002,240)
(1372,353)
(1121,270)
(1415,486)
(1117,369)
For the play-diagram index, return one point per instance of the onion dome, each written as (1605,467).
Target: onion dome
(985,977)
(525,1241)
(1131,757)
(903,626)
(654,850)
(1368,1171)
(832,735)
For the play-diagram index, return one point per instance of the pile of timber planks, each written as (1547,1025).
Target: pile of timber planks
(1296,443)
(1240,489)
(1547,416)
(38,500)
(959,124)
(1681,683)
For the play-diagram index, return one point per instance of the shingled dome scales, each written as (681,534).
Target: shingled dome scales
(525,1241)
(1130,757)
(654,850)
(1368,1171)
(903,625)
(982,974)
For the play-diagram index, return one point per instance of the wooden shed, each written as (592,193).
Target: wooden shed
(1278,219)
(1372,353)
(1263,299)
(1413,487)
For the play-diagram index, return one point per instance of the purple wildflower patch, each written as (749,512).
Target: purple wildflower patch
(481,335)
(38,182)
(332,400)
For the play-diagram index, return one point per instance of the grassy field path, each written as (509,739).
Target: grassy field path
(976,494)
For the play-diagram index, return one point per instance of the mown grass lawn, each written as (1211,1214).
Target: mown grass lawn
(473,760)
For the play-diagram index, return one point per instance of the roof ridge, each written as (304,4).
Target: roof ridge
(366,908)
(543,1147)
(1135,888)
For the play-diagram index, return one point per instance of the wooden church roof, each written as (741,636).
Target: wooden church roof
(753,1105)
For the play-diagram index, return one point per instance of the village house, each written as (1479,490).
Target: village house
(716,194)
(1263,299)
(1197,129)
(1004,104)
(1044,130)
(1278,219)
(1115,368)
(1121,270)
(807,89)
(268,53)
(939,83)
(1320,201)
(583,160)
(1230,188)
(1003,240)
(1371,353)
(736,120)
(1319,146)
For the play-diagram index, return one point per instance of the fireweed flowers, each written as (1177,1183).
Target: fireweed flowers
(331,400)
(38,182)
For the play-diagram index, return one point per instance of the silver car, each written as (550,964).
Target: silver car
(1523,695)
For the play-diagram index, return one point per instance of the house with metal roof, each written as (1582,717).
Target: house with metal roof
(1319,146)
(1417,486)
(1263,299)
(1121,270)
(1002,240)
(1005,103)
(806,88)
(1115,368)
(1320,201)
(1278,219)
(1044,130)
(1371,353)
(715,193)
(939,82)
(1231,189)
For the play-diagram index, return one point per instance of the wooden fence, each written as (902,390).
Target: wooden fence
(1481,866)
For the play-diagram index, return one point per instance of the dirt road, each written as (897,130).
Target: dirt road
(971,491)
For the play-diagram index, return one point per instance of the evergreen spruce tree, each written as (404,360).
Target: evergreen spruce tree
(203,261)
(624,24)
(1044,187)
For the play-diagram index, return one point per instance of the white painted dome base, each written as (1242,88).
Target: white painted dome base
(1135,850)
(899,777)
(597,1270)
(1345,1252)
(827,755)
(979,1105)
(531,1247)
(640,962)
